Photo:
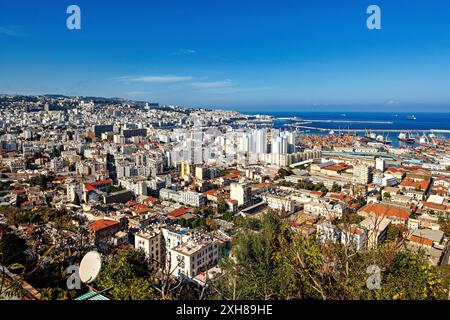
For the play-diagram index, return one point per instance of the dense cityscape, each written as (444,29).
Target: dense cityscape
(186,203)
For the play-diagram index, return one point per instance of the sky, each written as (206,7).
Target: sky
(244,55)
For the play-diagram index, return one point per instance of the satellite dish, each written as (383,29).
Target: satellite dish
(90,266)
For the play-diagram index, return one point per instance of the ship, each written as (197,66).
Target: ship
(383,139)
(411,117)
(406,137)
(373,137)
(424,140)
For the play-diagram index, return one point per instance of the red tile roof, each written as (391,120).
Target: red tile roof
(17,191)
(98,183)
(337,167)
(151,199)
(385,210)
(262,185)
(103,224)
(422,185)
(396,170)
(88,187)
(435,206)
(178,212)
(421,240)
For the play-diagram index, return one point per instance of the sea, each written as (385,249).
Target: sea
(370,121)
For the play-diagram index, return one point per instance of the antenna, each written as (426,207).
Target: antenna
(90,267)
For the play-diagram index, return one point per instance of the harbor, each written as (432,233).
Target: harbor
(372,130)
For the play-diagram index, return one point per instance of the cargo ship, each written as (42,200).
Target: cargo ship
(372,137)
(406,137)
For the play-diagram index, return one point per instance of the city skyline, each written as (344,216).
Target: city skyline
(246,57)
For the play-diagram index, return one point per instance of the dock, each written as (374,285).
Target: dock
(371,130)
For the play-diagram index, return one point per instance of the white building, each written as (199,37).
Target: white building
(376,229)
(240,192)
(380,164)
(328,232)
(361,174)
(280,203)
(354,236)
(152,242)
(260,140)
(196,255)
(323,208)
(193,199)
(73,190)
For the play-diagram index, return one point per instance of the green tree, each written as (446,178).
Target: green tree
(393,233)
(222,207)
(283,173)
(251,273)
(129,274)
(275,262)
(228,216)
(336,188)
(445,225)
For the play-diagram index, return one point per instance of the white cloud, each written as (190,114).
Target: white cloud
(231,90)
(392,102)
(155,79)
(138,93)
(213,84)
(186,51)
(10,32)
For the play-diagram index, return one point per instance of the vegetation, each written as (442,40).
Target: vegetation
(222,207)
(305,185)
(129,274)
(4,185)
(41,181)
(444,223)
(112,189)
(336,188)
(283,173)
(51,281)
(228,216)
(274,262)
(12,247)
(351,218)
(41,215)
(394,233)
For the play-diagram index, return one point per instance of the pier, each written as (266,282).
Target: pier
(371,130)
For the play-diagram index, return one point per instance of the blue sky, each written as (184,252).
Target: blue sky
(246,55)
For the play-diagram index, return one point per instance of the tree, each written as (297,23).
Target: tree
(351,218)
(393,233)
(228,216)
(129,274)
(210,223)
(336,188)
(222,207)
(208,211)
(445,225)
(251,272)
(275,262)
(283,173)
(386,195)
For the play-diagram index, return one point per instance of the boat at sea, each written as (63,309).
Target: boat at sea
(411,117)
